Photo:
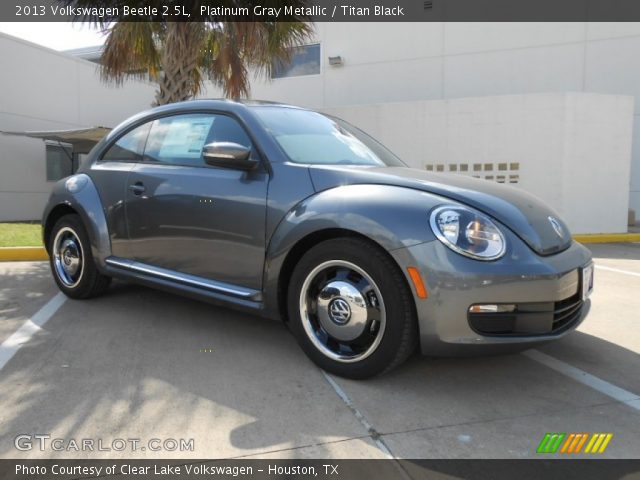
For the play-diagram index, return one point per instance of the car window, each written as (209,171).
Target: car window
(179,139)
(312,138)
(130,146)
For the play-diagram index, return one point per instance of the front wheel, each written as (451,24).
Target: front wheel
(351,309)
(71,261)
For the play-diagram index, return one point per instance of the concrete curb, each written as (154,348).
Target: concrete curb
(608,238)
(22,254)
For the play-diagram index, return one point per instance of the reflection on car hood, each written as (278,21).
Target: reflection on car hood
(524,214)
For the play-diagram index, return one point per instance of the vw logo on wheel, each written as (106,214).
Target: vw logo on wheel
(556,226)
(339,311)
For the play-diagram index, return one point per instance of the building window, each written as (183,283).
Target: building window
(59,162)
(305,60)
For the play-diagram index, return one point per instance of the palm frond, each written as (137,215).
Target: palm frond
(102,22)
(131,48)
(233,49)
(179,55)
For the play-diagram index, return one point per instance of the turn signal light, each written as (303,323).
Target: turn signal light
(421,291)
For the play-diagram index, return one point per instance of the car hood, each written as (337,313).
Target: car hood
(524,214)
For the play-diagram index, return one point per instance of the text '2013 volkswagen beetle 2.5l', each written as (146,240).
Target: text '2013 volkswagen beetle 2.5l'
(297,215)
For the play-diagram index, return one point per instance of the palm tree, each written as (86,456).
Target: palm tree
(179,56)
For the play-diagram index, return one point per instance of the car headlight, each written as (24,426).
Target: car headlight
(467,232)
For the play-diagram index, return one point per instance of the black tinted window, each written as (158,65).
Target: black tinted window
(179,139)
(59,162)
(130,146)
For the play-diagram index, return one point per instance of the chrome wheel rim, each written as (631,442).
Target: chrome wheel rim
(68,258)
(342,311)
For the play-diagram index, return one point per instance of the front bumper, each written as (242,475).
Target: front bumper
(454,283)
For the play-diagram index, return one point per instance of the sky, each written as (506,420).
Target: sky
(56,35)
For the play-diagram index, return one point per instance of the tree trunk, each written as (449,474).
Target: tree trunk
(179,78)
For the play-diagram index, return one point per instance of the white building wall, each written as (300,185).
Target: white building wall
(41,89)
(396,62)
(571,150)
(384,63)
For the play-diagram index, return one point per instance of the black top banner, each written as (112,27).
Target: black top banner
(104,11)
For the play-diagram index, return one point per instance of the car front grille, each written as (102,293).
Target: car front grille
(566,313)
(543,318)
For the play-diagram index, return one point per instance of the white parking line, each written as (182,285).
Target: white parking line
(11,345)
(628,398)
(617,270)
(375,436)
(363,421)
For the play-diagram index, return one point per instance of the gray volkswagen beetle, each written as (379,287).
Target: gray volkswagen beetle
(297,215)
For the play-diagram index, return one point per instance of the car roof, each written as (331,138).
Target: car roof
(221,104)
(225,102)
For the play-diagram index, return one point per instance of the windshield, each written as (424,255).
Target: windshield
(312,138)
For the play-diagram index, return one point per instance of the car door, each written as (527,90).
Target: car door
(191,218)
(110,174)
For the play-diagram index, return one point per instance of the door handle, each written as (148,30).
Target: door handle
(137,188)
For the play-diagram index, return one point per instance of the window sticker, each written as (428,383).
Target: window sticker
(185,138)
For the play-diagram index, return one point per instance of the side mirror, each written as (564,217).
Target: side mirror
(228,155)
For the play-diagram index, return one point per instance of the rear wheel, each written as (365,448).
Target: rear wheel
(71,261)
(350,308)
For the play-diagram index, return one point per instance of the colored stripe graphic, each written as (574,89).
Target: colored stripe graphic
(567,443)
(598,443)
(572,443)
(582,441)
(551,442)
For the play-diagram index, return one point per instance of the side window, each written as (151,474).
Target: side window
(129,147)
(179,139)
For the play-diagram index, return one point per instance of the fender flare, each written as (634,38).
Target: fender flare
(392,217)
(79,194)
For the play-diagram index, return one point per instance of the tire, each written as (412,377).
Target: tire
(71,260)
(351,310)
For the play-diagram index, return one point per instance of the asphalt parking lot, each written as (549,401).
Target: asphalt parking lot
(137,364)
